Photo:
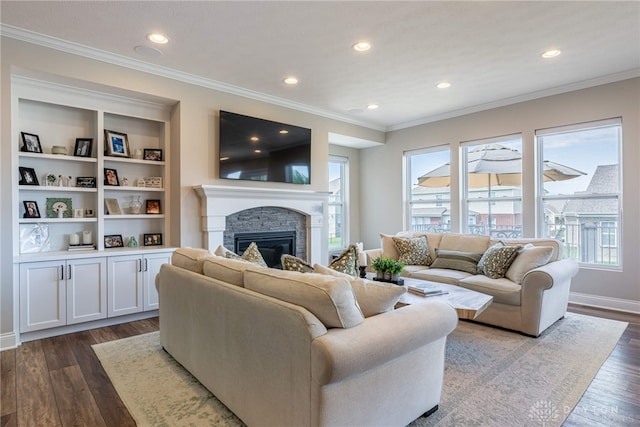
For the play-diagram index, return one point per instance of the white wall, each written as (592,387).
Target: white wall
(193,133)
(381,204)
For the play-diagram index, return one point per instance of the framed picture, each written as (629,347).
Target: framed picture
(153,239)
(86,181)
(116,144)
(113,241)
(152,154)
(111,177)
(153,206)
(88,213)
(59,207)
(31,209)
(28,176)
(31,143)
(112,206)
(78,213)
(83,147)
(153,182)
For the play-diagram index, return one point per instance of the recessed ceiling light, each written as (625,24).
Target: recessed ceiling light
(372,106)
(254,138)
(257,151)
(222,159)
(291,80)
(362,46)
(284,131)
(443,85)
(158,38)
(551,53)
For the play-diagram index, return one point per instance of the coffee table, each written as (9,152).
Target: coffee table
(467,303)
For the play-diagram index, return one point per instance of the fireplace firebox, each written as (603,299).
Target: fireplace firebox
(271,244)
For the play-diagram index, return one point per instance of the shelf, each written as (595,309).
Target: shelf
(135,216)
(55,220)
(131,188)
(54,188)
(62,157)
(136,161)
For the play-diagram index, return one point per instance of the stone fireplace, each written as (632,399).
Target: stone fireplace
(226,211)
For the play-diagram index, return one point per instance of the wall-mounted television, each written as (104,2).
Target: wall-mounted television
(262,150)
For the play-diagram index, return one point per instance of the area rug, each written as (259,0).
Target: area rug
(492,377)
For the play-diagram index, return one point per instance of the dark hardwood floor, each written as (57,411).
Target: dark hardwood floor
(60,382)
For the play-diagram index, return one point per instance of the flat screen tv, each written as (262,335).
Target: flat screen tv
(262,150)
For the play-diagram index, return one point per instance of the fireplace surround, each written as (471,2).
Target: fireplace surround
(217,202)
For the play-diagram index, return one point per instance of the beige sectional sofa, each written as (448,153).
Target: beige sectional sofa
(532,295)
(283,348)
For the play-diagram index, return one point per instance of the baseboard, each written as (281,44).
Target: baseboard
(617,304)
(8,341)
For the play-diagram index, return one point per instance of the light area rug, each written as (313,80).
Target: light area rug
(492,377)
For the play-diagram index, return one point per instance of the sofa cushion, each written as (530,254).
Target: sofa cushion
(389,249)
(190,258)
(554,243)
(503,290)
(464,242)
(372,297)
(226,269)
(457,260)
(442,275)
(347,261)
(330,299)
(251,254)
(293,263)
(413,250)
(529,257)
(497,259)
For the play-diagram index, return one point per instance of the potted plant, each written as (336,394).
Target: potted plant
(387,268)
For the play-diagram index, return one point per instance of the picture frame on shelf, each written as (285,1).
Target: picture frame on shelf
(88,213)
(83,147)
(28,176)
(111,177)
(113,241)
(152,239)
(154,154)
(153,206)
(153,182)
(31,143)
(78,213)
(31,209)
(59,207)
(86,181)
(112,207)
(116,144)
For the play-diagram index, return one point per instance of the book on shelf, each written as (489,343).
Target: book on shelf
(81,247)
(426,290)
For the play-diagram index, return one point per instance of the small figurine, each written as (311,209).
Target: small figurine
(60,181)
(133,243)
(125,181)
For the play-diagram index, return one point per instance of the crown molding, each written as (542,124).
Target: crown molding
(158,70)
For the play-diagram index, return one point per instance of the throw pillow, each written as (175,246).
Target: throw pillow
(528,258)
(347,262)
(190,258)
(226,269)
(251,254)
(457,260)
(497,259)
(329,298)
(413,250)
(293,263)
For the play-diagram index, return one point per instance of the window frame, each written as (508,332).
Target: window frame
(343,163)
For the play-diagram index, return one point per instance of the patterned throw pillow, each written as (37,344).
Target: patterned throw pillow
(293,263)
(497,259)
(413,250)
(457,260)
(347,262)
(251,254)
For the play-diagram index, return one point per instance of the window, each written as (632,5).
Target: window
(428,195)
(579,178)
(337,202)
(492,186)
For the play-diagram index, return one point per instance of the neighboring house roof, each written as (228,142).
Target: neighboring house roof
(604,181)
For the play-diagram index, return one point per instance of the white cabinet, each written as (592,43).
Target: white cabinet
(152,264)
(58,293)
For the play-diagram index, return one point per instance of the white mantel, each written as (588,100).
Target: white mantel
(219,201)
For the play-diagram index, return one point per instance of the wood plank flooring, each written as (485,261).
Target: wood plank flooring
(60,382)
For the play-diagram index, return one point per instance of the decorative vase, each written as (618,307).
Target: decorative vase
(387,275)
(379,275)
(394,277)
(136,205)
(133,243)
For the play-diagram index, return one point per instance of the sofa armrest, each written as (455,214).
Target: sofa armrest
(342,353)
(371,255)
(549,275)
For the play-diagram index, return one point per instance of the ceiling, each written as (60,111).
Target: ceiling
(488,51)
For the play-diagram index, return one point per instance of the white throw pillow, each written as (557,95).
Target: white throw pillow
(190,258)
(226,269)
(528,258)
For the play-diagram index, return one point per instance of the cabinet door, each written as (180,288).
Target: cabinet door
(42,295)
(152,264)
(86,290)
(124,277)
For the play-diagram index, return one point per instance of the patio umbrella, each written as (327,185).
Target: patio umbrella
(494,164)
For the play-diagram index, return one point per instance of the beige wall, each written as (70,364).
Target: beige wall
(620,289)
(193,134)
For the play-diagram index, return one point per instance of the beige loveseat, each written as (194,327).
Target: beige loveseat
(531,297)
(243,331)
